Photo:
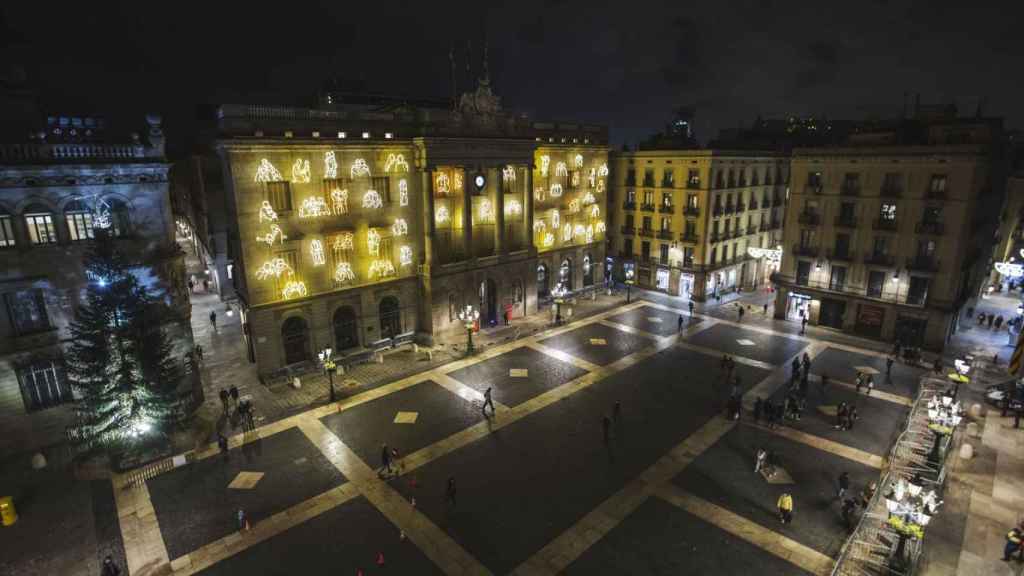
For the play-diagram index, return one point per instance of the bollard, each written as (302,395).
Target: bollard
(976,411)
(38,461)
(966,451)
(380,357)
(972,429)
(296,383)
(430,355)
(415,348)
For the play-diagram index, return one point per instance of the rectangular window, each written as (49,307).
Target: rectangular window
(838,280)
(938,184)
(876,282)
(807,238)
(291,258)
(40,228)
(814,179)
(668,179)
(842,244)
(664,253)
(666,200)
(631,176)
(387,251)
(925,249)
(647,223)
(846,211)
(891,182)
(27,311)
(629,221)
(881,246)
(803,272)
(382,184)
(932,214)
(693,178)
(691,228)
(918,291)
(645,250)
(43,385)
(79,226)
(851,181)
(666,223)
(6,231)
(648,198)
(279,194)
(649,177)
(688,256)
(627,247)
(631,196)
(691,201)
(888,211)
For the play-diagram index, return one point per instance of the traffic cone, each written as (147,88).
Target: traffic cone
(380,558)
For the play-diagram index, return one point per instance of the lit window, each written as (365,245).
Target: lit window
(288,134)
(39,222)
(342,135)
(44,385)
(316,134)
(79,220)
(27,311)
(6,231)
(388,135)
(366,135)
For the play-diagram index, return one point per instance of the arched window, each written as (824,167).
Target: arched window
(453,308)
(390,317)
(39,221)
(120,221)
(79,219)
(565,274)
(588,271)
(346,333)
(295,337)
(542,281)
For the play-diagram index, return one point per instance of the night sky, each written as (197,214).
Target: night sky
(626,64)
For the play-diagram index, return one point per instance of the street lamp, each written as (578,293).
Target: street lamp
(910,510)
(469,316)
(629,282)
(559,294)
(327,361)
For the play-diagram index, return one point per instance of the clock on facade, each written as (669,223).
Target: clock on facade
(479,181)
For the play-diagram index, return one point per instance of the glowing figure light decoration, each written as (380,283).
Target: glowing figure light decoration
(549,240)
(458,181)
(267,213)
(275,268)
(567,232)
(578,160)
(538,193)
(486,213)
(359,168)
(556,190)
(274,235)
(344,241)
(545,162)
(508,174)
(600,227)
(513,208)
(266,172)
(405,256)
(595,211)
(316,252)
(588,198)
(592,177)
(561,169)
(294,289)
(313,207)
(399,228)
(576,178)
(343,273)
(539,226)
(395,162)
(554,218)
(590,233)
(579,230)
(403,192)
(100,213)
(300,171)
(574,205)
(373,242)
(441,214)
(381,268)
(602,170)
(372,199)
(330,165)
(442,185)
(339,201)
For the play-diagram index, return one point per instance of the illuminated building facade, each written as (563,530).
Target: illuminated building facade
(367,219)
(684,219)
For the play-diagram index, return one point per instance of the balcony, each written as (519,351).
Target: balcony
(648,232)
(889,224)
(693,184)
(664,234)
(717,211)
(846,222)
(930,228)
(841,255)
(923,263)
(630,180)
(627,205)
(890,192)
(717,236)
(935,194)
(647,207)
(849,189)
(753,204)
(649,182)
(730,209)
(741,207)
(885,260)
(814,189)
(668,183)
(809,218)
(802,250)
(665,208)
(628,230)
(691,211)
(688,237)
(753,229)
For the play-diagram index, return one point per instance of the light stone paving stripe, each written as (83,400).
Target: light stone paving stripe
(718,354)
(467,393)
(826,445)
(745,326)
(790,550)
(779,377)
(631,330)
(564,357)
(876,393)
(445,552)
(236,542)
(144,546)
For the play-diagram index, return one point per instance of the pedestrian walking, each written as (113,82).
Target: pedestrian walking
(867,494)
(844,484)
(734,407)
(888,365)
(859,382)
(449,492)
(224,400)
(691,307)
(606,426)
(213,319)
(841,416)
(385,458)
(803,325)
(222,443)
(206,285)
(999,321)
(398,466)
(505,317)
(191,287)
(735,391)
(785,505)
(1014,538)
(110,568)
(848,511)
(991,319)
(233,392)
(488,401)
(199,353)
(758,406)
(249,416)
(760,458)
(680,328)
(741,313)
(243,521)
(851,417)
(765,310)
(871,384)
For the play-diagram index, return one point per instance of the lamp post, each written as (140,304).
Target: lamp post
(944,416)
(327,361)
(629,282)
(559,294)
(469,316)
(910,510)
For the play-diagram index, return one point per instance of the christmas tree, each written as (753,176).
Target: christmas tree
(119,359)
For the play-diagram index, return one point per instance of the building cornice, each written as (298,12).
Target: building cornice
(82,175)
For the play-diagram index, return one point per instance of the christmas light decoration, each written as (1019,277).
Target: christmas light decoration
(405,255)
(579,230)
(588,198)
(274,267)
(300,171)
(441,215)
(574,205)
(266,172)
(549,240)
(599,227)
(567,232)
(359,168)
(538,193)
(381,268)
(396,162)
(545,162)
(592,177)
(575,178)
(513,208)
(578,160)
(400,228)
(556,190)
(441,183)
(372,199)
(330,165)
(595,211)
(539,226)
(486,213)
(602,171)
(554,218)
(267,213)
(373,242)
(293,289)
(339,201)
(403,192)
(458,181)
(343,273)
(316,253)
(100,213)
(344,241)
(275,235)
(1009,269)
(313,207)
(561,169)
(508,174)
(600,186)
(590,233)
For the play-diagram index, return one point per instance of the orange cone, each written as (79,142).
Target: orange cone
(380,558)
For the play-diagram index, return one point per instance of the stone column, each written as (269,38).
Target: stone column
(427,201)
(528,198)
(493,176)
(467,214)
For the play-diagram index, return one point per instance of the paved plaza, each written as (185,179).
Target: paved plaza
(539,488)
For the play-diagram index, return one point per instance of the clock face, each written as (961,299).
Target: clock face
(479,181)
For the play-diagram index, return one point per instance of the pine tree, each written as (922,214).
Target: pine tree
(119,358)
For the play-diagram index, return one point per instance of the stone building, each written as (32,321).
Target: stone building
(368,218)
(890,234)
(53,187)
(686,220)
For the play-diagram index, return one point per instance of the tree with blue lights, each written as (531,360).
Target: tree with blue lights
(119,360)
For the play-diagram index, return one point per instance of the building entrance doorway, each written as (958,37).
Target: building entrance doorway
(295,336)
(489,302)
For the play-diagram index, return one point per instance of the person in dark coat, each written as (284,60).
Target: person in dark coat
(110,568)
(758,406)
(449,491)
(844,484)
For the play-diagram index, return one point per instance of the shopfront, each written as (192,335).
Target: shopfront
(798,306)
(686,285)
(661,279)
(869,320)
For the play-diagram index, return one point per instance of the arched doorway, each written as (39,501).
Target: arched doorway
(588,271)
(346,332)
(489,302)
(542,281)
(565,274)
(390,317)
(295,336)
